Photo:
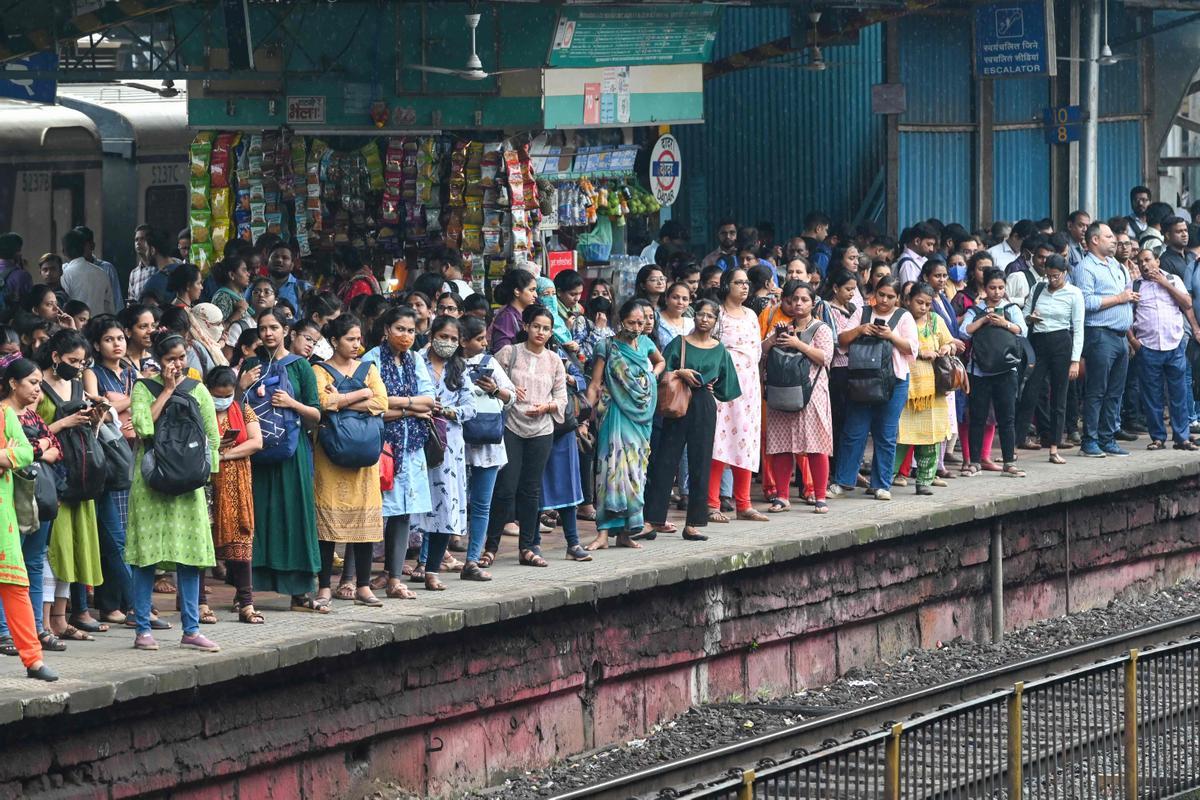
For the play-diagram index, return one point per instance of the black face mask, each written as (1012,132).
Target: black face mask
(66,371)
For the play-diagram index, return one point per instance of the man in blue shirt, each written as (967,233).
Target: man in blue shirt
(1077,225)
(1108,300)
(287,286)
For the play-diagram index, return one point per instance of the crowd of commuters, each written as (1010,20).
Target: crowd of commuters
(334,427)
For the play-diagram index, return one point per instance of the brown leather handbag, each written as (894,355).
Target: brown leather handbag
(674,394)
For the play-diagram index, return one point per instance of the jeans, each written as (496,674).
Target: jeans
(1054,363)
(116,593)
(481,484)
(187,581)
(33,550)
(882,422)
(1106,360)
(1155,367)
(518,489)
(997,392)
(726,489)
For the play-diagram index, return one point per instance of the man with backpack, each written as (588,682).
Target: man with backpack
(919,243)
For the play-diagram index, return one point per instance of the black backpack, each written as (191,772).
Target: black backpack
(789,387)
(177,459)
(83,458)
(995,349)
(871,374)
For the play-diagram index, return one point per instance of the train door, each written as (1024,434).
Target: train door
(66,204)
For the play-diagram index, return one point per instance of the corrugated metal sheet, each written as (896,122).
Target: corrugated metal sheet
(1020,99)
(779,143)
(935,66)
(936,177)
(1120,160)
(1021,170)
(1120,83)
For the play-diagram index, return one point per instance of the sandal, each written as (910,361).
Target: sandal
(50,642)
(530,558)
(665,527)
(73,634)
(163,585)
(1012,471)
(1187,444)
(345,591)
(89,626)
(8,647)
(250,616)
(1156,445)
(752,515)
(486,560)
(690,534)
(649,535)
(309,605)
(990,466)
(585,516)
(207,616)
(969,471)
(451,564)
(577,553)
(417,575)
(820,507)
(810,499)
(472,572)
(716,516)
(778,506)
(369,600)
(433,583)
(399,591)
(380,581)
(1055,458)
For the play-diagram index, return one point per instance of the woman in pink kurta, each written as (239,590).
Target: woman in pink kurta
(796,437)
(739,422)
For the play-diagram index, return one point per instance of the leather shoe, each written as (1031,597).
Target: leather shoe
(1125,436)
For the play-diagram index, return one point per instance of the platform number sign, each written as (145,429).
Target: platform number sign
(1062,124)
(666,170)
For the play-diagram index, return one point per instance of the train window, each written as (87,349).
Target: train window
(167,209)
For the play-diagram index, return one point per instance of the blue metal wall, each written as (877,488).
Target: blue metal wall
(1021,169)
(1120,164)
(779,143)
(935,177)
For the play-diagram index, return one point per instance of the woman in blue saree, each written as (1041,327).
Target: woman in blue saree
(624,392)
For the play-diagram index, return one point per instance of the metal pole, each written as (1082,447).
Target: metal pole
(997,581)
(1067,556)
(891,775)
(1015,735)
(1089,169)
(746,792)
(1131,706)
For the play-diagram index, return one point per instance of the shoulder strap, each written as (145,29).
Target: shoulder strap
(866,314)
(154,387)
(53,395)
(76,391)
(808,334)
(1037,292)
(894,320)
(683,352)
(333,373)
(361,372)
(186,385)
(288,359)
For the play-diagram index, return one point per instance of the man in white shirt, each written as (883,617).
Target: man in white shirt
(1009,250)
(672,232)
(1020,282)
(919,243)
(89,252)
(82,280)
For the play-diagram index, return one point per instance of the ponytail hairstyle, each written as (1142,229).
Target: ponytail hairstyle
(322,304)
(63,342)
(455,366)
(513,281)
(220,377)
(17,371)
(530,314)
(339,326)
(98,326)
(470,327)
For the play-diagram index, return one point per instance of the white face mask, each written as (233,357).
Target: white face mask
(222,403)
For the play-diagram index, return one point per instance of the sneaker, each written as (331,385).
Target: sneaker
(144,641)
(1114,449)
(1124,435)
(198,641)
(1091,450)
(883,494)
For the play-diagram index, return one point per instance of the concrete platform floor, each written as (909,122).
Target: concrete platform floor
(97,674)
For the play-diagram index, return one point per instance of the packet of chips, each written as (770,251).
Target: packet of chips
(370,153)
(199,194)
(201,254)
(200,153)
(199,222)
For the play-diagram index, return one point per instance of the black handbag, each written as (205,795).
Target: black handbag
(435,442)
(119,457)
(46,483)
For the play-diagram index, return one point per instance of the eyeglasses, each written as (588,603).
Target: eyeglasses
(309,339)
(705,315)
(262,292)
(739,283)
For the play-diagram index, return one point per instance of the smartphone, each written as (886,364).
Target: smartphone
(481,372)
(231,434)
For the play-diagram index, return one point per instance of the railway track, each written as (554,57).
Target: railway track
(1053,725)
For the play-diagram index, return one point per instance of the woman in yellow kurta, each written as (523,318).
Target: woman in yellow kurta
(348,500)
(924,420)
(17,453)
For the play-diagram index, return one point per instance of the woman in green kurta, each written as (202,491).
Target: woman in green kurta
(164,528)
(74,552)
(286,557)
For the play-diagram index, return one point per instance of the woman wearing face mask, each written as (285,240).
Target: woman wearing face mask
(447,481)
(541,387)
(411,402)
(708,369)
(74,555)
(739,421)
(321,309)
(973,291)
(624,392)
(925,419)
(993,391)
(286,557)
(956,276)
(885,321)
(349,509)
(112,378)
(800,437)
(492,390)
(233,490)
(517,291)
(562,337)
(167,528)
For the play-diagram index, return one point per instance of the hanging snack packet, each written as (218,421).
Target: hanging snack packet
(199,194)
(200,153)
(199,222)
(374,163)
(201,254)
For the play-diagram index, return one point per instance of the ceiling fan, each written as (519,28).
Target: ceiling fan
(166,90)
(473,71)
(814,59)
(1106,58)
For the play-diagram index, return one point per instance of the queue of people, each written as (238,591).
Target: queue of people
(290,435)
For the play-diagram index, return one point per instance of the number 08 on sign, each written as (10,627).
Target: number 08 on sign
(666,170)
